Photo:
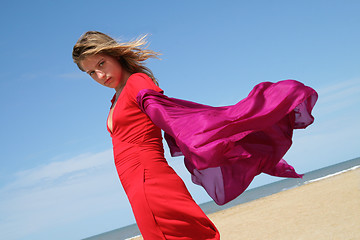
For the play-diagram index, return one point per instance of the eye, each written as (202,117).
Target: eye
(101,63)
(91,73)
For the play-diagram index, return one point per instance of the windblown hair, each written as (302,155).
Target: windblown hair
(131,55)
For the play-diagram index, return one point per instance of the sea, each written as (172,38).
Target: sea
(131,231)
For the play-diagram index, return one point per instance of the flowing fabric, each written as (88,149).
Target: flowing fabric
(224,148)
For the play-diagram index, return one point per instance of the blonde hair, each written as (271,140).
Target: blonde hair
(131,55)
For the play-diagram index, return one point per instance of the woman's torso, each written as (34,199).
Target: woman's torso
(133,133)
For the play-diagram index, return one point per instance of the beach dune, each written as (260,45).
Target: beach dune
(325,209)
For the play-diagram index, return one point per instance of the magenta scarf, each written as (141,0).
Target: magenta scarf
(224,148)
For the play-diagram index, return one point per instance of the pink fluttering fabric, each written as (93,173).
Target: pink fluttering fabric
(224,148)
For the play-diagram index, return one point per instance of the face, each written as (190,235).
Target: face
(105,70)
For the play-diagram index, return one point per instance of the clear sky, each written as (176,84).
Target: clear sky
(57,179)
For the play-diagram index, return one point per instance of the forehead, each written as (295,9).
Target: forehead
(91,61)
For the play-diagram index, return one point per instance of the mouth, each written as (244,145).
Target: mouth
(107,81)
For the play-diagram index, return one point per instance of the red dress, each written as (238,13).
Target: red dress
(163,207)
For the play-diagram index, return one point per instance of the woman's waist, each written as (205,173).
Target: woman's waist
(125,145)
(133,160)
(125,152)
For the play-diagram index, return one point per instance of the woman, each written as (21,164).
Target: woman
(224,147)
(162,205)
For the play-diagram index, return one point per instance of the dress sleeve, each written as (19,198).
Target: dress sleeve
(138,82)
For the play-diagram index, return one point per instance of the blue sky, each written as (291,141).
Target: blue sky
(57,179)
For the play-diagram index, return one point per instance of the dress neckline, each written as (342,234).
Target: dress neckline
(114,102)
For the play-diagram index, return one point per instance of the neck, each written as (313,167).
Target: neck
(120,87)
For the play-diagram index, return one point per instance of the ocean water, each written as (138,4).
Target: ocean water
(128,232)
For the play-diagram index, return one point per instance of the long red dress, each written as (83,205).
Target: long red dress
(162,206)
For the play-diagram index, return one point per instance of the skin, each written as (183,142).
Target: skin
(106,70)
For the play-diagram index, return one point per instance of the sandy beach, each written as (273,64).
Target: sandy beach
(324,209)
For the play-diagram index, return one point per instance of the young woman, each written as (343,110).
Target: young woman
(224,147)
(162,205)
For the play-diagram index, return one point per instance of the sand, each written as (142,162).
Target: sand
(325,209)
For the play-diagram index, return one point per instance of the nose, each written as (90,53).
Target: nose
(100,74)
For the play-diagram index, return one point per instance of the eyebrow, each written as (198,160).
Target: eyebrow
(101,59)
